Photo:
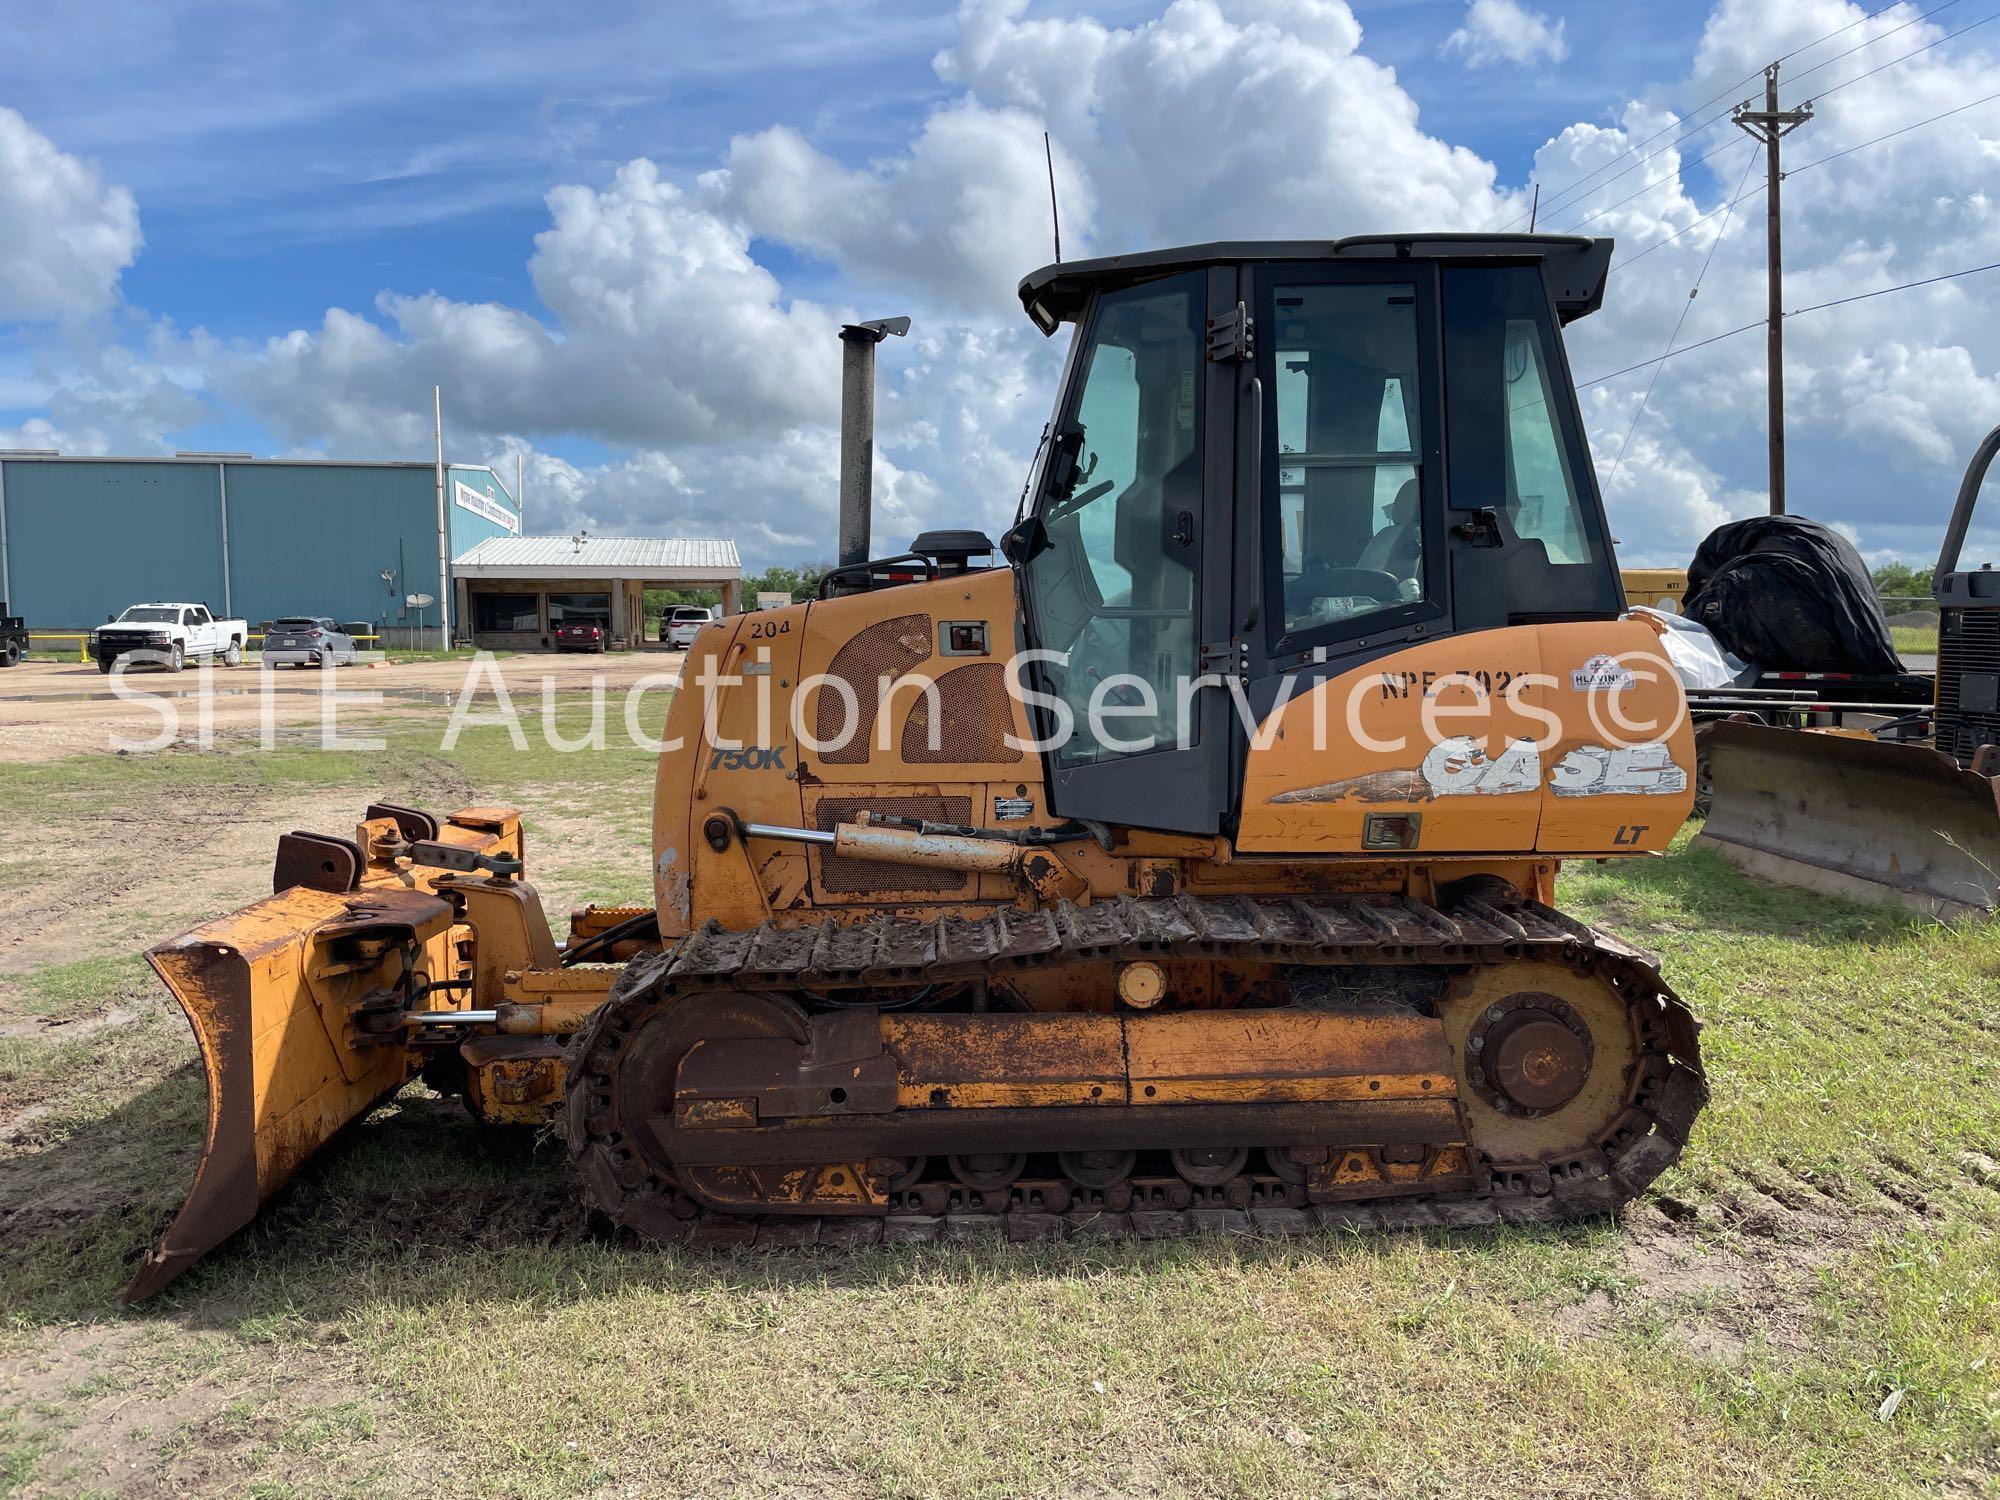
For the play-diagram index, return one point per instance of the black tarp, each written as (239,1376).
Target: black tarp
(1790,595)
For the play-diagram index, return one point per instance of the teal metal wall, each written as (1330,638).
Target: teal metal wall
(475,497)
(84,539)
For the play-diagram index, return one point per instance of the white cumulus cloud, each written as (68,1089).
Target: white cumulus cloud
(1497,31)
(65,234)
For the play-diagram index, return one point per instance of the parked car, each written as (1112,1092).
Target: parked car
(13,637)
(683,623)
(168,635)
(580,635)
(308,641)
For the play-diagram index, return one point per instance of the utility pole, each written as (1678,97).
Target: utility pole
(444,551)
(1771,125)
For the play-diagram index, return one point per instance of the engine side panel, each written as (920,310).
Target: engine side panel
(1563,738)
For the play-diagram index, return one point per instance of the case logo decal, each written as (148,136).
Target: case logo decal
(1626,771)
(1459,767)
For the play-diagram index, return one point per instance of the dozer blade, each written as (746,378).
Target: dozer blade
(280,995)
(1854,817)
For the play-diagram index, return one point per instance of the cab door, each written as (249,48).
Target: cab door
(1125,562)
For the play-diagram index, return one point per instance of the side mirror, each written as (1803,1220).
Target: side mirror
(1025,541)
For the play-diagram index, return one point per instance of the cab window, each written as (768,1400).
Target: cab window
(1349,470)
(1541,494)
(1114,589)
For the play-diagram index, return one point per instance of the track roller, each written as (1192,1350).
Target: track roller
(1210,1166)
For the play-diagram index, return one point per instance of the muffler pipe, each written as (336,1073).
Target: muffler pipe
(857,431)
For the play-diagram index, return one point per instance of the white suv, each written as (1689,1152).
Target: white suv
(682,623)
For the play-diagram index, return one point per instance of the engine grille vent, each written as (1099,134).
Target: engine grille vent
(884,650)
(973,719)
(1968,643)
(840,875)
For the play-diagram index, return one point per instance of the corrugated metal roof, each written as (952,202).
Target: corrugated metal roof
(633,556)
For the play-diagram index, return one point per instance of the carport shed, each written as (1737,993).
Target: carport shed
(514,590)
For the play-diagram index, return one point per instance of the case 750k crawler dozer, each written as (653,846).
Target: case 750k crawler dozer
(1192,870)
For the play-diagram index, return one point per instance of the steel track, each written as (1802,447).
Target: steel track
(1485,924)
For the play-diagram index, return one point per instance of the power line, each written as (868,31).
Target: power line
(1730,93)
(1882,291)
(1686,308)
(1577,186)
(1873,40)
(1889,135)
(1649,187)
(1584,385)
(1858,77)
(1904,286)
(1805,167)
(1723,207)
(1645,161)
(1905,57)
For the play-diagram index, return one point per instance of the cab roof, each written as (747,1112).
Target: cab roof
(1574,265)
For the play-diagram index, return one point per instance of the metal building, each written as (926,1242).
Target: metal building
(81,538)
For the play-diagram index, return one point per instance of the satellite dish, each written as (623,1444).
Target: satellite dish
(419,601)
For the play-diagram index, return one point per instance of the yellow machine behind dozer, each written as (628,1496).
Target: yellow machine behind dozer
(1194,869)
(1913,822)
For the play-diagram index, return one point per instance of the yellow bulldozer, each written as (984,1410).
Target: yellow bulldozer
(1191,868)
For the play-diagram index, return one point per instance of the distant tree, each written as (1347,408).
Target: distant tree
(1900,579)
(801,582)
(659,601)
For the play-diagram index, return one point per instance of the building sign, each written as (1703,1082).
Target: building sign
(483,506)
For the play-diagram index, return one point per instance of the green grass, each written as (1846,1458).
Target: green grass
(425,1311)
(1922,639)
(64,992)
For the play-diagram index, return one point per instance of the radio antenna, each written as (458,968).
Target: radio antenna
(1055,217)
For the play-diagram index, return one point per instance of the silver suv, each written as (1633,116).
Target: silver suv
(308,641)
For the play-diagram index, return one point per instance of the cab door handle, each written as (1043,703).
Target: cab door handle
(1184,528)
(1480,528)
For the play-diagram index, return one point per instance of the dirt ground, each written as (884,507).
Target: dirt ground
(52,709)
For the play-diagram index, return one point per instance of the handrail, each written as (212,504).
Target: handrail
(869,567)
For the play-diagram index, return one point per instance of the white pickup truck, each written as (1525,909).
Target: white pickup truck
(168,635)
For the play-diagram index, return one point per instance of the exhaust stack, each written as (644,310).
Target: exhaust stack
(857,431)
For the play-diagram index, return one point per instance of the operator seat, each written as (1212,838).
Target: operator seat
(1398,547)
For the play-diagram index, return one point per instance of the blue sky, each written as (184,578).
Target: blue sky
(270,193)
(287,162)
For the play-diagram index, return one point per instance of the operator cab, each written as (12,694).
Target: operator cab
(1285,459)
